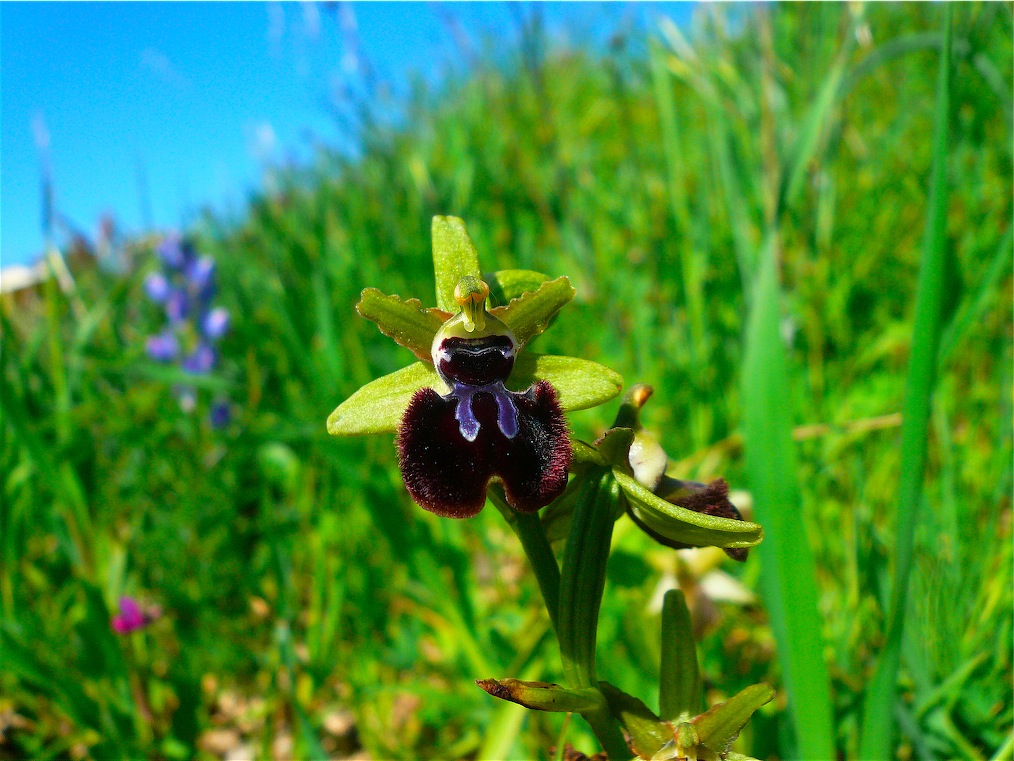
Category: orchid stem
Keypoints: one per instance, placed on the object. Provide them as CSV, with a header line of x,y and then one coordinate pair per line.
x,y
535,543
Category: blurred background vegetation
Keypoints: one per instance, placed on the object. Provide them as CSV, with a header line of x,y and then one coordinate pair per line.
x,y
310,610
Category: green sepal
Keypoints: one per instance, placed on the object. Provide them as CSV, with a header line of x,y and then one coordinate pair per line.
x,y
407,322
614,446
544,696
648,733
507,285
579,383
378,406
454,257
679,694
721,724
530,314
682,525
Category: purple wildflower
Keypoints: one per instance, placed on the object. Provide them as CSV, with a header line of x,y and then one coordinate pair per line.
x,y
157,287
215,323
185,286
163,347
177,306
132,617
172,251
220,414
201,360
200,276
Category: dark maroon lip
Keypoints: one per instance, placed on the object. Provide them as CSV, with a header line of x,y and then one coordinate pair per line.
x,y
447,469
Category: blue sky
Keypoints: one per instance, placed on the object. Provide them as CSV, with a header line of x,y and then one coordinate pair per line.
x,y
193,100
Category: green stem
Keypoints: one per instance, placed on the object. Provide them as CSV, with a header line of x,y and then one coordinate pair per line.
x,y
582,582
608,733
580,596
535,543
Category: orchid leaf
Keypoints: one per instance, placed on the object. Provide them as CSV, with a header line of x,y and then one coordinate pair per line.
x,y
721,724
529,314
543,696
407,322
579,383
378,406
507,285
682,525
454,257
680,676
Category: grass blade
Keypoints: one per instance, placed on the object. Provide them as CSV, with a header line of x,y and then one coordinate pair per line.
x,y
788,575
878,715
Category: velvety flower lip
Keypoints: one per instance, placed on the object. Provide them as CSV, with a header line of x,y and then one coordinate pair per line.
x,y
448,474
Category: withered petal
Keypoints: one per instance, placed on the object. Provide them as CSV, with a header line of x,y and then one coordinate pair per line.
x,y
711,499
448,475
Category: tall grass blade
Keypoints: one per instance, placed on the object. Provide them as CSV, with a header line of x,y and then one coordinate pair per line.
x,y
878,715
690,270
788,574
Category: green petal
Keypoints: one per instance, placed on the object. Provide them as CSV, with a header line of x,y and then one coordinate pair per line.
x,y
529,314
378,406
579,383
454,256
507,285
721,724
407,322
686,526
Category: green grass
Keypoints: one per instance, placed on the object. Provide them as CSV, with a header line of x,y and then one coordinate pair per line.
x,y
745,209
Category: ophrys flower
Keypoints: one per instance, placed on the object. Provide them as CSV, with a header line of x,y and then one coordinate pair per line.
x,y
476,407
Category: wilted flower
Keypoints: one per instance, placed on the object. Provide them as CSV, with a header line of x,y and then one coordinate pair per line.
x,y
648,462
132,616
475,409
